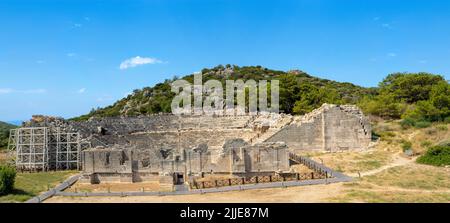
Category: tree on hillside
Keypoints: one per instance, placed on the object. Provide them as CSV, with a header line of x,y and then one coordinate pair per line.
x,y
410,87
413,96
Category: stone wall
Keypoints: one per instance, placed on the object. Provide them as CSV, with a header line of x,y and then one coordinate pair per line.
x,y
140,148
236,157
328,128
107,160
268,157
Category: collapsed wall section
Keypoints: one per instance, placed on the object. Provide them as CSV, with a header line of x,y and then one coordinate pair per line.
x,y
328,128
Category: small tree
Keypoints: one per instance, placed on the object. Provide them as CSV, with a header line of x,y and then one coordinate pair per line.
x,y
7,178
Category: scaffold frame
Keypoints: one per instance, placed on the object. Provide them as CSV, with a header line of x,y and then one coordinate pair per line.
x,y
44,148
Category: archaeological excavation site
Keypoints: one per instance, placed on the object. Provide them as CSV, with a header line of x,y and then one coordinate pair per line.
x,y
192,153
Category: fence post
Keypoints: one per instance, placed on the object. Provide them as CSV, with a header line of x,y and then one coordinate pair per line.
x,y
312,175
203,184
256,180
216,183
297,176
229,182
243,180
270,178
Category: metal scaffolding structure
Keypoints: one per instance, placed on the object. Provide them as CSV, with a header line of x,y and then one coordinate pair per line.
x,y
43,148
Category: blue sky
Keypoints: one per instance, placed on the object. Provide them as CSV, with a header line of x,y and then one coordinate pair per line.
x,y
63,58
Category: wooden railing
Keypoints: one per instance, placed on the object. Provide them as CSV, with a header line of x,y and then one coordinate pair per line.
x,y
256,180
316,167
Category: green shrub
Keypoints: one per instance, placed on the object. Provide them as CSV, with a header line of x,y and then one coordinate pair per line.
x,y
386,135
7,178
422,124
447,119
410,122
407,122
442,127
425,144
406,145
431,131
436,156
375,136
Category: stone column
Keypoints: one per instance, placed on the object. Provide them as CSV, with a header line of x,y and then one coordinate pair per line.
x,y
324,144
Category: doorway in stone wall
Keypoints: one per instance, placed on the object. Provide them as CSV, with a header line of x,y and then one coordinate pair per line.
x,y
178,178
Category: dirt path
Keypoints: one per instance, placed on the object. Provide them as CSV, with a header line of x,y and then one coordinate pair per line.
x,y
303,194
398,160
378,188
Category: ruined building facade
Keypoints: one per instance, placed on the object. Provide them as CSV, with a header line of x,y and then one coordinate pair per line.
x,y
159,147
329,128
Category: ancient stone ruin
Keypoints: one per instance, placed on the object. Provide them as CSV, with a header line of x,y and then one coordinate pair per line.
x,y
172,149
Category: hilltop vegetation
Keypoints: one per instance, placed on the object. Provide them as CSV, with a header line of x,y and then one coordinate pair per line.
x,y
436,156
417,98
4,134
299,92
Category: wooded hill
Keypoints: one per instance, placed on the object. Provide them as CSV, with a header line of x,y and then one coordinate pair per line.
x,y
299,91
417,98
4,134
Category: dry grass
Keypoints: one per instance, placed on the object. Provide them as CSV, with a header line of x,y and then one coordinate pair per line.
x,y
413,176
298,168
383,181
409,183
28,185
3,156
116,187
389,145
353,162
368,196
213,177
317,193
434,134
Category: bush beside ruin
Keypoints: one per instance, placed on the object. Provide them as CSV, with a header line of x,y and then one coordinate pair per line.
x,y
7,178
436,156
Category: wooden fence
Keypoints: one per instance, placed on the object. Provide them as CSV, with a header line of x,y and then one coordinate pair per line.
x,y
257,179
316,167
319,171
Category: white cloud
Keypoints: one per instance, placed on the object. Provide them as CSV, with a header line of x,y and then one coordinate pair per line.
x,y
40,61
137,61
386,25
34,91
104,98
82,90
77,25
376,18
71,54
29,91
423,61
6,90
391,54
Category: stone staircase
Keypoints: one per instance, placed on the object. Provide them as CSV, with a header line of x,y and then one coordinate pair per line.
x,y
282,122
355,111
